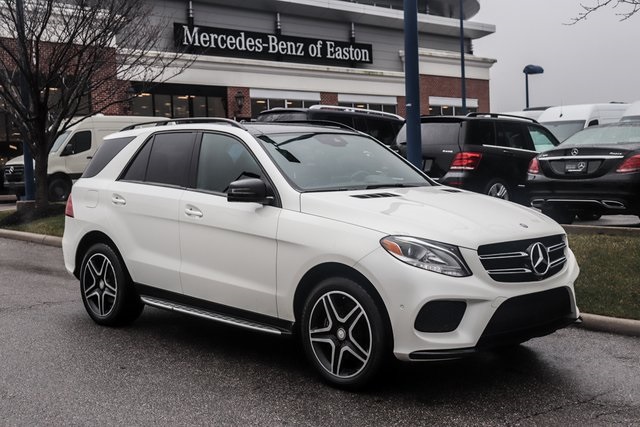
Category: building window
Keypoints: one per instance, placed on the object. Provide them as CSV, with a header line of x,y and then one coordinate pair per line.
x,y
449,110
262,104
387,108
180,101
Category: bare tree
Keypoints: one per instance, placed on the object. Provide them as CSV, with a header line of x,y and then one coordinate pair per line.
x,y
75,58
630,8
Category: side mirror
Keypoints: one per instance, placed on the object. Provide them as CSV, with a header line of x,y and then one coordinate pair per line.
x,y
249,190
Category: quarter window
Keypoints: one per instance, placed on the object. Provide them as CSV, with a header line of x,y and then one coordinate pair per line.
x,y
223,159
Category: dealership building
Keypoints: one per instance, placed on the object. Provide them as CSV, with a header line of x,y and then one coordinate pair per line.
x,y
255,55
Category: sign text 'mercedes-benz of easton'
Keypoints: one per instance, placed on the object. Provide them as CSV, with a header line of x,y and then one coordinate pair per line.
x,y
226,42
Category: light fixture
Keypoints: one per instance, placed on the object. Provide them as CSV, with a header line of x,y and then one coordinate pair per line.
x,y
239,101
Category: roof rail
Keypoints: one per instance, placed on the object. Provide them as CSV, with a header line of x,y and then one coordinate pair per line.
x,y
187,120
354,109
312,122
497,115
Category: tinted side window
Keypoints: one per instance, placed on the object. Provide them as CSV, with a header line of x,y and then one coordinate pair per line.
x,y
79,142
165,159
481,132
107,151
513,135
223,159
542,139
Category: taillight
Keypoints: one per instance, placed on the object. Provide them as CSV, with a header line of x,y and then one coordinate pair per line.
x,y
68,210
534,166
632,164
466,160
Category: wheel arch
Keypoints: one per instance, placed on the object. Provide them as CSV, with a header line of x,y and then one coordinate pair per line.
x,y
89,240
333,269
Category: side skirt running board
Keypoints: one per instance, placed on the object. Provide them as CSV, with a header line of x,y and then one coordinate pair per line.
x,y
211,315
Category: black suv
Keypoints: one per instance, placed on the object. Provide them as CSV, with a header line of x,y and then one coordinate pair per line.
x,y
482,152
381,125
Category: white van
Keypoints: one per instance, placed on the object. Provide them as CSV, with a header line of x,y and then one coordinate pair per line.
x,y
71,153
632,112
565,120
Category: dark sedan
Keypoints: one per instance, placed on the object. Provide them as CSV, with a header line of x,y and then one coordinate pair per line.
x,y
592,173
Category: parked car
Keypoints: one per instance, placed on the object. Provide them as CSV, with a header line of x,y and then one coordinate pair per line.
x,y
379,124
318,230
481,152
70,154
594,172
565,120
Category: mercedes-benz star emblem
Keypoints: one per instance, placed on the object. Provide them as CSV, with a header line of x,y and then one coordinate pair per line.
x,y
10,170
581,166
539,257
574,151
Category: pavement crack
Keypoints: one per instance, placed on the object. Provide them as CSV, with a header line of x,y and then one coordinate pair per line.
x,y
585,401
5,310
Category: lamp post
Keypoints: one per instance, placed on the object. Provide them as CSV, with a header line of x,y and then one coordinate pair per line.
x,y
530,69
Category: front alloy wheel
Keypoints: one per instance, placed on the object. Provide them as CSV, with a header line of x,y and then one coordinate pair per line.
x,y
343,333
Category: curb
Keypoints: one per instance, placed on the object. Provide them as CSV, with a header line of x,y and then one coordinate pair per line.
x,y
612,325
593,322
42,239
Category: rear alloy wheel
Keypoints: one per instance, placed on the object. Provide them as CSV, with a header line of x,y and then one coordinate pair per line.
x,y
343,333
559,215
107,292
498,188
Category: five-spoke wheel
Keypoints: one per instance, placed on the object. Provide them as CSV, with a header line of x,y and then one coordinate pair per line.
x,y
343,332
107,293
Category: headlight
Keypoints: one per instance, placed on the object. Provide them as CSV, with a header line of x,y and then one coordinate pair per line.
x,y
426,254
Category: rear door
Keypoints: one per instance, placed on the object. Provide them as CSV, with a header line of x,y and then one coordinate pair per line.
x,y
517,149
145,202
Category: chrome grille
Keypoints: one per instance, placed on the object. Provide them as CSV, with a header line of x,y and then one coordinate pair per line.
x,y
13,173
524,260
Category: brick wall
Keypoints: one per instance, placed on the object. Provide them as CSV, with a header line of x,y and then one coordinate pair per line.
x,y
451,87
232,107
328,98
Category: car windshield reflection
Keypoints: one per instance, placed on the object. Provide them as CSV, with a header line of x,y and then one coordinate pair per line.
x,y
335,161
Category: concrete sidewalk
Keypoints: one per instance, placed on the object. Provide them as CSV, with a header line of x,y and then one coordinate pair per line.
x,y
592,322
7,198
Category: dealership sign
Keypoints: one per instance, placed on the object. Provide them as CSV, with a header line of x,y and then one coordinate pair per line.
x,y
275,47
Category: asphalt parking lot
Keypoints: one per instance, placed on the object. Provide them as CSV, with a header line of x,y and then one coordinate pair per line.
x,y
58,367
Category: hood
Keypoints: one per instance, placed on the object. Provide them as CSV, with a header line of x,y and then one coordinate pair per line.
x,y
437,213
15,161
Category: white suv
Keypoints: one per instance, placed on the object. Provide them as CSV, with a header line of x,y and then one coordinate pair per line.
x,y
323,231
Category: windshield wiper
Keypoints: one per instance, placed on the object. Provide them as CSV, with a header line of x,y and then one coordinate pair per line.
x,y
390,185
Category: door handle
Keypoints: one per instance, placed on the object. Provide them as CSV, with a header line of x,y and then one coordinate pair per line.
x,y
117,199
193,212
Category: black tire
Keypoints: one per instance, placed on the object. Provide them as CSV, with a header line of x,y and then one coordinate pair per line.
x,y
499,189
559,215
344,334
588,216
59,188
106,289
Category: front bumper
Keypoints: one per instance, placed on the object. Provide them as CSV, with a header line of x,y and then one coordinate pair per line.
x,y
495,314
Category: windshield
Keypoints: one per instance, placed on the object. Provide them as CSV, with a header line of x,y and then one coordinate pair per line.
x,y
335,161
606,135
59,141
563,130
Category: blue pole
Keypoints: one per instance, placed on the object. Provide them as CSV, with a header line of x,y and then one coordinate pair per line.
x,y
412,82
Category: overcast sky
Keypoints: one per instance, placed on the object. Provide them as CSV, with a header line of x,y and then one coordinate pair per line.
x,y
597,60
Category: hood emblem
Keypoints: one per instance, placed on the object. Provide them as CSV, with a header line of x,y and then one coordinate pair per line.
x,y
539,257
574,151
